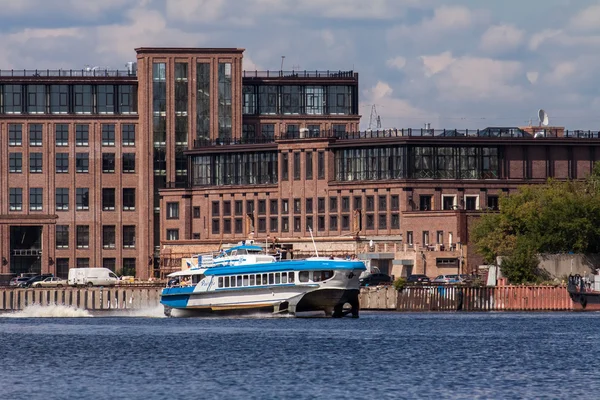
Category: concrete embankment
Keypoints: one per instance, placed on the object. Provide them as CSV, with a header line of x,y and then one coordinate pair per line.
x,y
460,298
117,298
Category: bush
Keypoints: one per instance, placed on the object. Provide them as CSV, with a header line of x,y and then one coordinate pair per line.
x,y
400,284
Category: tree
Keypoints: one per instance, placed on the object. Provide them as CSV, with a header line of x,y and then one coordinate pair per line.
x,y
556,217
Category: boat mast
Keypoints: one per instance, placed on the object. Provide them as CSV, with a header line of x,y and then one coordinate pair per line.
x,y
313,241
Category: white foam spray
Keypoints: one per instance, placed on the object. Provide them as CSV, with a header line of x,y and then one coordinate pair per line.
x,y
51,311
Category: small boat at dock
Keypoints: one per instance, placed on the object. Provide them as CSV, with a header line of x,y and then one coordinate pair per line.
x,y
585,292
245,279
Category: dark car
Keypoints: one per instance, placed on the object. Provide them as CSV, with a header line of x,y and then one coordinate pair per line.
x,y
375,279
34,279
418,278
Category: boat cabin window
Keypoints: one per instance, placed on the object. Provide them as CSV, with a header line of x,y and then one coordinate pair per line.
x,y
245,280
291,276
271,279
220,281
265,279
251,280
197,278
303,276
239,281
284,276
319,276
226,280
277,277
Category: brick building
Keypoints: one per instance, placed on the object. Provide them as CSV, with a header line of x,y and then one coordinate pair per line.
x,y
184,152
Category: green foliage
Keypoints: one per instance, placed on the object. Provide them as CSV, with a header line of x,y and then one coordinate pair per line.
x,y
399,284
556,217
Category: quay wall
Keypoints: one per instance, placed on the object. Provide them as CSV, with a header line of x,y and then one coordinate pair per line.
x,y
94,299
460,298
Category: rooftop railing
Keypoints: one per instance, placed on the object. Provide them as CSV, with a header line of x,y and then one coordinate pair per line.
x,y
298,74
68,73
442,134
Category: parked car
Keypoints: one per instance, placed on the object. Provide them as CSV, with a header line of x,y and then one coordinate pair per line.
x,y
446,279
51,281
17,280
375,279
33,280
418,278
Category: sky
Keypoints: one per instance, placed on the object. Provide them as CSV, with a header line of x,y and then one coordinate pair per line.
x,y
460,64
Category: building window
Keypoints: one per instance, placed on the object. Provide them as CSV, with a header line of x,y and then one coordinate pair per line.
x,y
128,236
339,130
333,223
59,99
196,236
239,207
409,238
297,224
216,226
216,211
36,99
296,166
249,100
321,222
309,165
105,95
321,165
83,99
345,204
172,210
127,99
15,162
128,134
395,202
274,207
35,199
62,236
292,131
108,199
338,100
395,223
250,207
62,135
309,222
83,236
309,206
108,134
238,225
370,221
285,224
382,221
35,163
128,199
128,160
227,208
62,267
357,203
492,203
448,202
262,225
225,101
35,135
15,196
315,99
109,237
62,199
370,203
345,222
82,135
62,163
172,234
82,198
108,162
196,212
273,224
82,162
262,207
110,263
471,203
284,166
285,206
83,262
333,204
297,206
425,238
267,132
15,134
439,236
382,204
128,267
321,205
13,99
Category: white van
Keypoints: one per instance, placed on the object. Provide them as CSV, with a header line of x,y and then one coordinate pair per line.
x,y
92,277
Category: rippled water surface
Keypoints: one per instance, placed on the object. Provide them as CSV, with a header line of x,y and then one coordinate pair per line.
x,y
380,355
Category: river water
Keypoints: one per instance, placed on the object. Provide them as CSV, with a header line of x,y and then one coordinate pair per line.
x,y
141,355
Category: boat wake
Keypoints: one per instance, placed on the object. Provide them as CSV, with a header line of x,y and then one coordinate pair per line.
x,y
53,311
150,312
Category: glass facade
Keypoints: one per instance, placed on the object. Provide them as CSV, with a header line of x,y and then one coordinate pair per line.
x,y
235,169
428,162
225,106
181,122
203,101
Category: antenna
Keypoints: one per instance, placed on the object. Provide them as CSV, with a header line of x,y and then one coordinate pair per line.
x,y
282,58
543,117
374,118
313,241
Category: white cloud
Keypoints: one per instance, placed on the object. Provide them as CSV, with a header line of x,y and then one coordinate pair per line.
x,y
532,77
501,38
194,10
586,20
437,63
539,38
397,62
